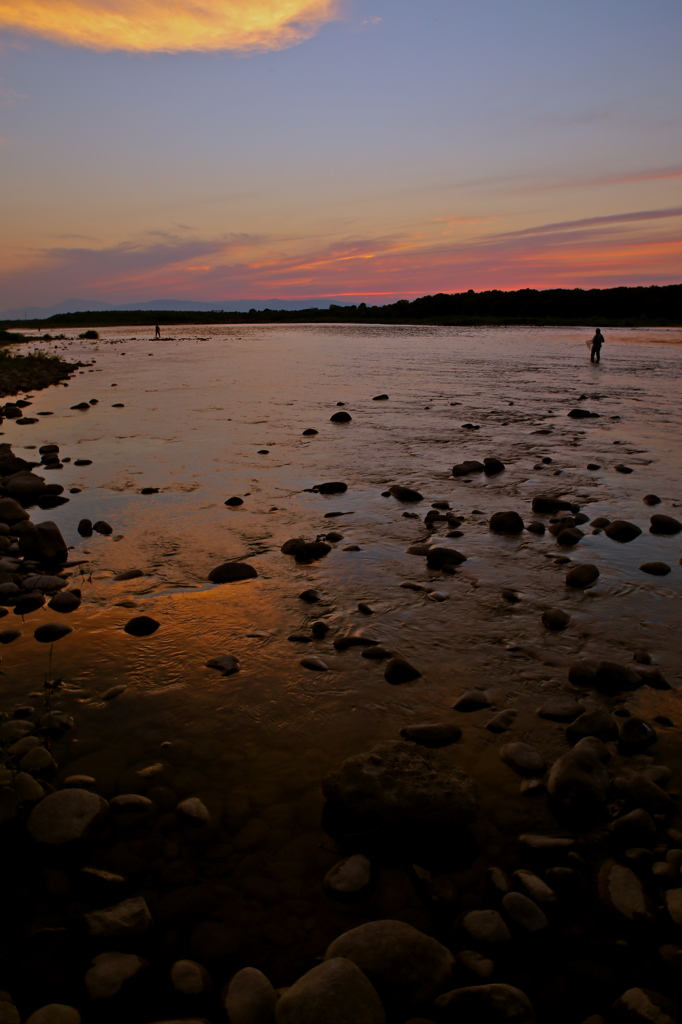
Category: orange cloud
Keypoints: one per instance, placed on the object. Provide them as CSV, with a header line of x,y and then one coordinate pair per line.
x,y
169,25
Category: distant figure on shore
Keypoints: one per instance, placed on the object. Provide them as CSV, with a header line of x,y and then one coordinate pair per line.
x,y
157,333
597,342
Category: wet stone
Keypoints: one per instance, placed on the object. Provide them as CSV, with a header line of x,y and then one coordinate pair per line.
x,y
485,1004
665,525
314,664
467,468
226,664
561,709
486,926
581,576
66,816
655,568
234,502
231,572
506,522
569,537
523,758
332,487
250,998
651,499
110,971
350,879
536,527
101,526
622,531
438,734
555,619
502,721
340,417
130,917
473,700
335,992
405,493
399,671
592,723
524,912
141,626
635,735
377,653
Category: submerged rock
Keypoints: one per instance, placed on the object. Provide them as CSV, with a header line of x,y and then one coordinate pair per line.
x,y
467,467
622,531
582,576
340,417
141,625
405,493
403,784
231,572
437,557
506,522
226,664
438,734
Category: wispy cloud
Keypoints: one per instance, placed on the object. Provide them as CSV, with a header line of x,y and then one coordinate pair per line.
x,y
631,248
159,25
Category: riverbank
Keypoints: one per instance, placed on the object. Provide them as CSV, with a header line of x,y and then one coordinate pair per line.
x,y
33,372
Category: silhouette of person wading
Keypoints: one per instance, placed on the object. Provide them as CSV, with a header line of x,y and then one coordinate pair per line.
x,y
597,342
157,332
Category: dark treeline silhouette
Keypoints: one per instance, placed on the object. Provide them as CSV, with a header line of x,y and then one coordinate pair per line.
x,y
654,306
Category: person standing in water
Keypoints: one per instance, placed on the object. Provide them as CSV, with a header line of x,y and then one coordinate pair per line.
x,y
597,342
157,331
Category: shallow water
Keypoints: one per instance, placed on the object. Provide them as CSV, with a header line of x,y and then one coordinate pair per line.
x,y
198,407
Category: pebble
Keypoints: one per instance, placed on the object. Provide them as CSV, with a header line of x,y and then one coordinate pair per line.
x,y
130,917
226,664
523,758
350,878
340,417
113,692
319,629
476,963
485,1004
50,632
335,992
234,501
555,619
622,531
130,574
377,653
473,700
651,499
534,886
502,721
189,977
582,576
195,810
332,487
506,522
561,709
398,671
486,926
110,971
310,596
101,526
438,734
250,998
141,625
231,572
665,525
524,912
314,664
593,723
621,890
655,568
405,493
644,1006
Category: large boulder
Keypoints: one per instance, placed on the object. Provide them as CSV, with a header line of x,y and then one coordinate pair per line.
x,y
405,966
643,1006
11,511
398,783
334,992
485,1004
25,484
506,522
65,816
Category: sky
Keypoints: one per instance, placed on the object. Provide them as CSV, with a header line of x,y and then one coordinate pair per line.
x,y
364,150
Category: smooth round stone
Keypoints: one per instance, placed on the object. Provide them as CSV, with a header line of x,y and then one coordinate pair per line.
x,y
141,626
131,802
314,664
438,734
523,758
506,522
55,1013
334,992
110,971
655,568
622,531
665,525
439,556
399,671
476,963
194,809
340,417
65,816
561,709
129,574
581,576
250,998
37,760
502,721
555,619
405,493
130,917
350,878
189,977
232,572
64,603
524,912
473,700
50,632
651,499
234,502
535,888
486,926
485,1004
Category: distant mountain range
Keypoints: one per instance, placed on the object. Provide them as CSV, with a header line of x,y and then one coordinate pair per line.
x,y
186,305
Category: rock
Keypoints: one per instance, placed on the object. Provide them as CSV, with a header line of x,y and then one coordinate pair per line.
x,y
380,398
351,879
231,572
85,528
25,485
319,629
523,758
438,734
578,779
665,525
65,816
130,917
582,576
545,504
234,502
312,551
309,432
620,468
27,790
314,664
506,522
377,653
643,1006
141,625
406,967
101,526
54,1013
634,829
536,527
340,417
635,735
651,499
673,900
569,537
405,493
439,556
535,888
645,793
524,912
473,700
621,890
555,619
560,709
546,843
476,964
655,568
37,760
226,664
502,721
130,574
195,810
486,926
592,723
8,635
622,531
250,998
189,977
400,671
343,643
467,468
335,992
610,677
582,414
333,487
131,803
493,466
110,971
402,784
485,1004
12,512
310,596
64,603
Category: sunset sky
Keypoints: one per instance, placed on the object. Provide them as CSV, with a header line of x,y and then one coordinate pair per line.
x,y
360,149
